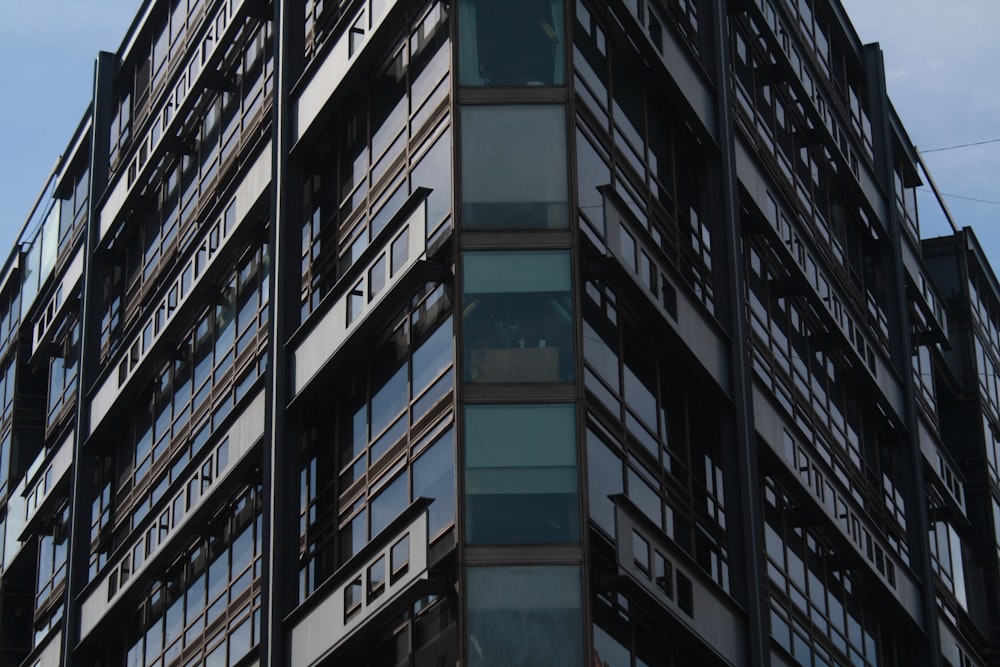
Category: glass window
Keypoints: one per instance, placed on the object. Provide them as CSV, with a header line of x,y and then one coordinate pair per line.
x,y
604,474
514,167
521,474
434,172
515,614
388,504
434,477
511,42
592,172
609,651
432,357
518,317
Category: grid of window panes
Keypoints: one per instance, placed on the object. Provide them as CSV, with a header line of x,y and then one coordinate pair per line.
x,y
53,550
985,337
686,18
158,53
948,564
652,435
820,613
624,637
392,441
160,232
221,356
628,138
64,369
204,608
74,196
8,376
520,458
521,472
810,181
392,137
828,76
815,388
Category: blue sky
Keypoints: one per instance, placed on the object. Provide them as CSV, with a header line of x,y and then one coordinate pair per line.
x,y
47,54
940,67
940,62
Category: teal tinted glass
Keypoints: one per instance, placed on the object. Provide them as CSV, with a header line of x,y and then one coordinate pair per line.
x,y
521,474
518,317
514,167
511,42
527,615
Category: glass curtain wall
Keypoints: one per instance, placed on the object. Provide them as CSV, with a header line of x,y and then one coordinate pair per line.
x,y
516,334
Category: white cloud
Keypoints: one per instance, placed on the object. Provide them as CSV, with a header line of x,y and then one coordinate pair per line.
x,y
940,74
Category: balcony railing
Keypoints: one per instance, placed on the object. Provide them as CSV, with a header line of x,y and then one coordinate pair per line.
x,y
189,498
336,64
174,109
868,543
213,245
42,481
397,250
64,295
383,576
667,576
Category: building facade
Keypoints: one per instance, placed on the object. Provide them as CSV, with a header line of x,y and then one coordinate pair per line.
x,y
495,332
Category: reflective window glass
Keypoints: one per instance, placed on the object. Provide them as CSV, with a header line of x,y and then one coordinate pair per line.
x,y
525,616
518,316
521,474
511,42
388,504
604,475
434,477
514,167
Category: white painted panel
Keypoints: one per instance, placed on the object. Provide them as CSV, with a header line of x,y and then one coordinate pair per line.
x,y
331,73
253,185
335,326
328,624
247,429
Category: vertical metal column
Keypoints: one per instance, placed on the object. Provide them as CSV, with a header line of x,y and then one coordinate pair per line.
x,y
742,454
82,468
279,535
917,521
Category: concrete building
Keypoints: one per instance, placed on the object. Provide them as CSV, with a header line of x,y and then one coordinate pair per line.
x,y
495,332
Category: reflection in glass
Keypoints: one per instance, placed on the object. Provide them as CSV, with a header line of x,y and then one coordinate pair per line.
x,y
518,317
514,167
521,475
511,42
527,616
604,479
434,477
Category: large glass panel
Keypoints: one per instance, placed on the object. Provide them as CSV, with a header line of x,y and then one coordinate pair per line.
x,y
604,475
609,651
526,616
434,477
518,317
514,167
521,474
511,42
388,504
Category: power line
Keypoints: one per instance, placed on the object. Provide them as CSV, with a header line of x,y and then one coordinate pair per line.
x,y
981,201
951,148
